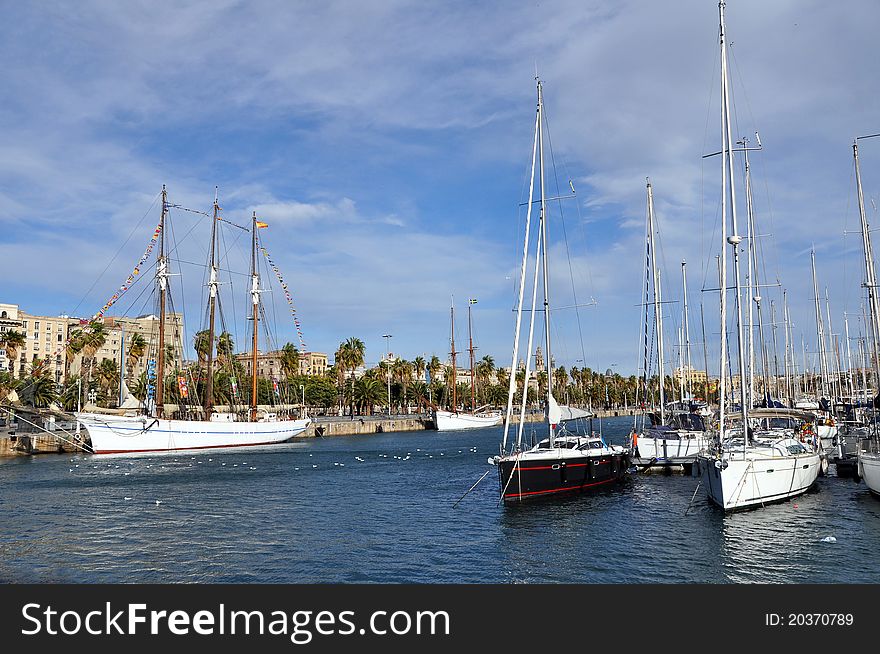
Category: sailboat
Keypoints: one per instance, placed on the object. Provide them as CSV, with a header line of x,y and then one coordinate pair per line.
x,y
477,416
744,467
676,434
151,428
561,463
868,456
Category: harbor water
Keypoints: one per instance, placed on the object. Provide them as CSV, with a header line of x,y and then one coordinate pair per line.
x,y
382,509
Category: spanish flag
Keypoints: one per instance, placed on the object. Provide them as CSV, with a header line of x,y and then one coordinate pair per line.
x,y
261,225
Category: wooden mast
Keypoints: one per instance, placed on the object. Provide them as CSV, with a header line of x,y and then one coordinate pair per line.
x,y
454,365
162,276
255,301
212,301
471,349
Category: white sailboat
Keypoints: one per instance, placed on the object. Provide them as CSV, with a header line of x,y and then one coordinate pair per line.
x,y
673,437
477,416
744,467
868,457
563,462
150,429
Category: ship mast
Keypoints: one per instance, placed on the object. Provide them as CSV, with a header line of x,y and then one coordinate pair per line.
x,y
658,315
454,368
471,350
212,300
255,301
162,277
733,239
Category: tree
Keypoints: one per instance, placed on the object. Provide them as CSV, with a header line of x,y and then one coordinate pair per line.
x,y
108,375
137,346
402,372
7,385
42,386
12,341
202,345
368,391
225,348
349,357
289,360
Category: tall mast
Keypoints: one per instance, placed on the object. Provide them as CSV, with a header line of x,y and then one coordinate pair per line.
x,y
255,302
546,275
454,365
788,357
849,363
471,349
754,284
870,275
687,333
820,330
162,276
658,313
212,300
734,239
522,285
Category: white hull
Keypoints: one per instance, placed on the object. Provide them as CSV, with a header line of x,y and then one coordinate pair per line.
x,y
869,470
123,434
734,482
448,421
670,451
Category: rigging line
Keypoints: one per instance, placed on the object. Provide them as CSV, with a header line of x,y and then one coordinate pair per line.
x,y
109,263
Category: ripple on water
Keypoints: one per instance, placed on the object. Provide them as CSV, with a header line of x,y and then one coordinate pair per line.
x,y
388,517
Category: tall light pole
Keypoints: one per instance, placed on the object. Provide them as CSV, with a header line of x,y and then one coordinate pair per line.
x,y
303,389
388,374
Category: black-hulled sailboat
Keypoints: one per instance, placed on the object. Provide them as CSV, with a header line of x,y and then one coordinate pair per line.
x,y
563,462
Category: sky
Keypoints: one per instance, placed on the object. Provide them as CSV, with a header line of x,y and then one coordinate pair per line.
x,y
388,144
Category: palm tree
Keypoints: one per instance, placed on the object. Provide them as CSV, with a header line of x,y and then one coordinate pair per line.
x,y
202,345
368,391
420,394
483,371
225,348
12,341
560,379
42,385
349,357
402,371
108,375
289,360
137,346
418,365
7,385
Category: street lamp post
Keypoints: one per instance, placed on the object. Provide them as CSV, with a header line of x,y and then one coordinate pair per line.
x,y
303,389
388,374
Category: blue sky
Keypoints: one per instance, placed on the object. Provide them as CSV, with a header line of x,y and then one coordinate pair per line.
x,y
387,145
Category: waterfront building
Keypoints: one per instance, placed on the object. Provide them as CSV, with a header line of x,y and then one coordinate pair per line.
x,y
120,331
312,364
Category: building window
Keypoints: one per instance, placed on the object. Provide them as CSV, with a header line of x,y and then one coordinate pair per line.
x,y
36,324
24,324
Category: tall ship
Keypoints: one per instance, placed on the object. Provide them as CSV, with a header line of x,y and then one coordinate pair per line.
x,y
155,424
476,417
561,462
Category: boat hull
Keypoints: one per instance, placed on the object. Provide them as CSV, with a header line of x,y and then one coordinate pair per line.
x,y
449,421
124,434
670,451
735,483
530,478
869,470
